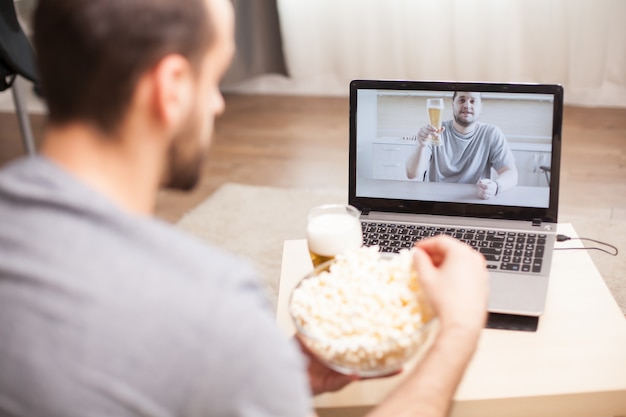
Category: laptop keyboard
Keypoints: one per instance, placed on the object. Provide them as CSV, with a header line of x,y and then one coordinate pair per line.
x,y
503,250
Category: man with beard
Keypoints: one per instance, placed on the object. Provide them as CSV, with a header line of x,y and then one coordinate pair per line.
x,y
106,311
469,151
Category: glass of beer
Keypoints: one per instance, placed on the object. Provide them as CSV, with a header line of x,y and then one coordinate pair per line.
x,y
332,229
435,115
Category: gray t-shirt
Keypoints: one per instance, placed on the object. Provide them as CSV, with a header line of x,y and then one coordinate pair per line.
x,y
104,313
469,158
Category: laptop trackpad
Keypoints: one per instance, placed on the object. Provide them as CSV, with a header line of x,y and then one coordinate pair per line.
x,y
517,294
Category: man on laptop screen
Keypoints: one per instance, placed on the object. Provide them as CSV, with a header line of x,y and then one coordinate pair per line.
x,y
467,150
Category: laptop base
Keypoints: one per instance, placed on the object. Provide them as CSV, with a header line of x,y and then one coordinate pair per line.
x,y
512,322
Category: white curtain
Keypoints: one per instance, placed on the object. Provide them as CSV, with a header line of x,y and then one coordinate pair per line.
x,y
580,44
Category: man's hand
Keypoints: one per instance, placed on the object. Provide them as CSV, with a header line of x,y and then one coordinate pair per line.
x,y
322,378
427,133
486,188
454,279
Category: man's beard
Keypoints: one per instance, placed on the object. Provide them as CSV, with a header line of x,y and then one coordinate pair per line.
x,y
185,158
463,123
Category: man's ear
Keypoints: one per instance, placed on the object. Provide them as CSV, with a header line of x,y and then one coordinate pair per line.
x,y
173,90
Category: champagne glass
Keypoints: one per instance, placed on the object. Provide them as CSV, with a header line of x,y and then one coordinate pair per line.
x,y
434,106
332,229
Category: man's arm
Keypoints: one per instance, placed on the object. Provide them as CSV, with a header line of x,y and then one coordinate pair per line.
x,y
507,174
419,160
429,389
417,163
455,280
507,179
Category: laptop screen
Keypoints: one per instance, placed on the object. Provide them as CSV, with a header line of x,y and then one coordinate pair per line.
x,y
472,149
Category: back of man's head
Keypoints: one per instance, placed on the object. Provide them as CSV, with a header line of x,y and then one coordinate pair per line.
x,y
91,53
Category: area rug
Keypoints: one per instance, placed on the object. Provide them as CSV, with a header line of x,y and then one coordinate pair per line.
x,y
253,222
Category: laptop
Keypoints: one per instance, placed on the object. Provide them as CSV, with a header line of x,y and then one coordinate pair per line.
x,y
515,229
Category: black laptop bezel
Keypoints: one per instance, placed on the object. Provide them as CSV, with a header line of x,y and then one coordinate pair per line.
x,y
366,204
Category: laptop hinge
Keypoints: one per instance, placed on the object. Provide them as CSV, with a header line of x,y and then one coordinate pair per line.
x,y
537,222
365,211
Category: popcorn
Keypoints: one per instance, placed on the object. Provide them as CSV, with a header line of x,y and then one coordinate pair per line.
x,y
363,315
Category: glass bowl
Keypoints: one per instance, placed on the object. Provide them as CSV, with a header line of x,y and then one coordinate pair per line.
x,y
363,312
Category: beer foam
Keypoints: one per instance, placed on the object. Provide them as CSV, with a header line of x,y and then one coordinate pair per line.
x,y
332,233
363,314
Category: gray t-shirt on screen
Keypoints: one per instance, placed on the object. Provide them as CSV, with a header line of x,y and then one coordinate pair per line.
x,y
104,313
468,158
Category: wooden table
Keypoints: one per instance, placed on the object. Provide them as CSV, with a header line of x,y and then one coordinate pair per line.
x,y
573,365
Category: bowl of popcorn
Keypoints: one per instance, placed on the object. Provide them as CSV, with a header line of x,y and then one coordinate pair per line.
x,y
363,312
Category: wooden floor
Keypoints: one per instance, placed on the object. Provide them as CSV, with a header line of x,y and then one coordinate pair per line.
x,y
303,142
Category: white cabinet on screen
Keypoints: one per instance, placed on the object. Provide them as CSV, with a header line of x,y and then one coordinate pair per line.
x,y
389,159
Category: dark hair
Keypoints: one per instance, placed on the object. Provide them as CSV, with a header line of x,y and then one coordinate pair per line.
x,y
454,95
91,53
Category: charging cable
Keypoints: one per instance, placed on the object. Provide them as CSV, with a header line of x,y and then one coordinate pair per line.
x,y
564,238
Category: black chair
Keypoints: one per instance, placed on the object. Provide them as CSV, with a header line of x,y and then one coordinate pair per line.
x,y
17,58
